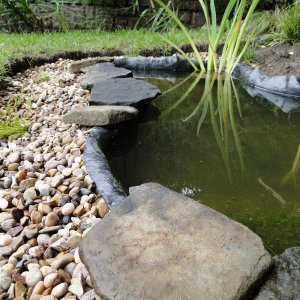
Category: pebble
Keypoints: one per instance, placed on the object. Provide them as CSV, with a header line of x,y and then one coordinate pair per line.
x,y
3,203
51,219
30,193
33,277
5,240
62,261
68,209
44,189
59,290
51,280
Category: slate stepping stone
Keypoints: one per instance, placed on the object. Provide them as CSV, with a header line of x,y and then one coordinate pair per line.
x,y
101,72
125,91
76,66
100,115
158,244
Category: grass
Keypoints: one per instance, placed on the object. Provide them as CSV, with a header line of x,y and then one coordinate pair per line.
x,y
16,46
41,77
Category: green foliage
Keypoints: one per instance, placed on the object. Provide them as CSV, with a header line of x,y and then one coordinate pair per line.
x,y
158,19
30,16
11,123
250,55
277,27
230,31
42,77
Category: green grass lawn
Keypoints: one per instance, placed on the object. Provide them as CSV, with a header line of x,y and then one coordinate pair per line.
x,y
129,41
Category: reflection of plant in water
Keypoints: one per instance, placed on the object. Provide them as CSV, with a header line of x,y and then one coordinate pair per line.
x,y
221,113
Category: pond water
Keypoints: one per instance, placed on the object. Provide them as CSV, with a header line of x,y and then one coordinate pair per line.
x,y
214,143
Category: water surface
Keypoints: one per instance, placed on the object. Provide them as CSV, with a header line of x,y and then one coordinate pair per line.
x,y
233,153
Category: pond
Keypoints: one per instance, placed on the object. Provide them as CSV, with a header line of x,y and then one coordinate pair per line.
x,y
211,141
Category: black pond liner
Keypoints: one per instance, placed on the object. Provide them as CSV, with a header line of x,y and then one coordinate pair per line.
x,y
283,91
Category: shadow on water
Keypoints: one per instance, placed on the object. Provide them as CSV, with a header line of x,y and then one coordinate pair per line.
x,y
207,138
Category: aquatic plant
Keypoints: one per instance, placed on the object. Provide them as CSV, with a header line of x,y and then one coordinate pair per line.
x,y
230,31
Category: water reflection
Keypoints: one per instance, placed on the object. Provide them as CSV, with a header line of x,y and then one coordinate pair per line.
x,y
219,107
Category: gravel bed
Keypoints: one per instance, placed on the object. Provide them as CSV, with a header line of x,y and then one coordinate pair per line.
x,y
48,202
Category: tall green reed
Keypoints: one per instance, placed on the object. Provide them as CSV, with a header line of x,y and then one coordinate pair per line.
x,y
230,31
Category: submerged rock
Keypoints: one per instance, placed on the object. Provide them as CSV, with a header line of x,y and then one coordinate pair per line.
x,y
100,115
158,244
284,280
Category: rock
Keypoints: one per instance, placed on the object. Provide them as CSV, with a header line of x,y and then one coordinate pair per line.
x,y
27,183
51,219
51,280
30,194
44,189
5,240
43,239
21,175
36,251
62,261
68,209
56,181
75,67
8,224
102,208
284,280
100,115
80,270
20,290
59,290
76,287
74,241
39,288
31,232
126,91
5,283
200,251
50,229
33,277
15,157
36,217
17,214
101,72
3,203
6,250
90,295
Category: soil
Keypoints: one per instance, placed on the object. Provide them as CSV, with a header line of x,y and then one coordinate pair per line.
x,y
280,60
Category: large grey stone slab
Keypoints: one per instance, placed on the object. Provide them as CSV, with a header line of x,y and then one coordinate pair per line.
x,y
125,91
100,115
284,280
101,72
75,67
158,244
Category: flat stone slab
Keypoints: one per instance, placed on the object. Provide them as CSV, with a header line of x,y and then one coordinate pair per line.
x,y
76,66
100,115
284,280
125,91
158,244
101,72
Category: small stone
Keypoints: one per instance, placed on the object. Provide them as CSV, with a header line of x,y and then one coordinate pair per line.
x,y
36,251
44,189
3,203
90,295
17,214
33,277
6,251
8,224
102,208
68,209
51,280
21,175
5,283
39,288
43,239
36,217
74,241
67,172
56,181
60,290
69,268
13,167
5,240
30,194
79,211
80,270
62,261
27,183
51,219
76,287
14,157
31,232
20,290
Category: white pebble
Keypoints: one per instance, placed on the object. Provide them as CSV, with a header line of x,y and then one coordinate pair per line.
x,y
59,290
33,277
68,209
5,240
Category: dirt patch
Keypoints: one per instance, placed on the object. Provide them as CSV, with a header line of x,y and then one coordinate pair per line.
x,y
280,60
